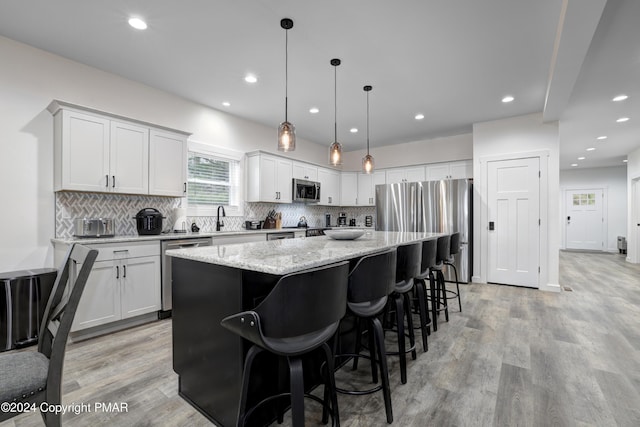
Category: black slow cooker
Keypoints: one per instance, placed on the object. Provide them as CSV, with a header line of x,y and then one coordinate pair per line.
x,y
149,221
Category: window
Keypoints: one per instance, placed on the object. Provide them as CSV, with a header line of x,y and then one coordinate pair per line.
x,y
213,179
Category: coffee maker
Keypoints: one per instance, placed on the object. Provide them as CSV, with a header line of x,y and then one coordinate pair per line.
x,y
342,219
327,220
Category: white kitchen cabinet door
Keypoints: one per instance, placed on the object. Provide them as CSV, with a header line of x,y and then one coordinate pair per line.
x,y
129,158
414,174
461,170
81,152
437,171
167,164
367,187
139,286
268,179
349,189
100,301
304,171
329,187
394,176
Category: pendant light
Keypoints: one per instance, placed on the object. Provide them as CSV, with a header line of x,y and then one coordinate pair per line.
x,y
367,161
286,130
335,150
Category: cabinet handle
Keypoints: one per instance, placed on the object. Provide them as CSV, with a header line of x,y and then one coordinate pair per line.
x,y
124,271
185,188
107,181
113,184
117,272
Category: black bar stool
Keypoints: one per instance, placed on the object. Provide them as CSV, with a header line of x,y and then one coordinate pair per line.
x,y
299,315
407,268
429,248
450,261
371,281
442,254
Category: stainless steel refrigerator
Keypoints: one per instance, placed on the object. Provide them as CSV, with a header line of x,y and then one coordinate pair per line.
x,y
432,206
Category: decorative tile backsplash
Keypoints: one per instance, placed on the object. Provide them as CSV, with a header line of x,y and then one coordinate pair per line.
x,y
122,208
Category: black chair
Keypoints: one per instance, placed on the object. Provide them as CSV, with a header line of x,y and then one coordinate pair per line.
x,y
35,377
429,248
454,248
371,281
299,315
442,254
407,269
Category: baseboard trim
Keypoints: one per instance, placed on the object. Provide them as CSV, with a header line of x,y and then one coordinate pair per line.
x,y
550,287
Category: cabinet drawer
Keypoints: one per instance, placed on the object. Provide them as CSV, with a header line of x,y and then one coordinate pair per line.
x,y
108,251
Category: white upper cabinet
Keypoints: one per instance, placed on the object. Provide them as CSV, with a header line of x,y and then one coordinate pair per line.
x,y
405,174
304,171
269,178
451,170
367,187
348,189
329,187
98,152
167,164
129,158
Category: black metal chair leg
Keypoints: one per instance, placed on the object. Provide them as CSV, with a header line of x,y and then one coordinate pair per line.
x,y
408,316
330,384
358,343
372,353
246,374
443,294
401,345
382,354
423,312
297,391
434,301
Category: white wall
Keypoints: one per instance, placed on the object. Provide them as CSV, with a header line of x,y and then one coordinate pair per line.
x,y
510,138
29,80
614,180
633,211
458,147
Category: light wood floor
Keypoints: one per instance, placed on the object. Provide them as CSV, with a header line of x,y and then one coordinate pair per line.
x,y
515,356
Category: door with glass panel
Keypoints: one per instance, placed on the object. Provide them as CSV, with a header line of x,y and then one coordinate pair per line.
x,y
584,220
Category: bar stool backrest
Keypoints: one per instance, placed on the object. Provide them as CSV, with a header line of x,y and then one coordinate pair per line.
x,y
408,264
373,277
305,302
443,251
455,244
429,248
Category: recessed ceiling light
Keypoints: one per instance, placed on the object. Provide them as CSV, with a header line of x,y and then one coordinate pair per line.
x,y
353,130
625,161
581,158
138,23
591,148
507,98
620,98
250,78
419,116
602,137
574,165
314,110
226,104
622,119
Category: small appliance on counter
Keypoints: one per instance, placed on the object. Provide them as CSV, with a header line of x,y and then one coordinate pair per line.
x,y
352,222
180,224
94,227
253,224
368,221
302,223
149,222
327,220
342,219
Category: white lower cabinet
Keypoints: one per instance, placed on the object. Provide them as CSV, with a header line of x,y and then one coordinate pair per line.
x,y
124,283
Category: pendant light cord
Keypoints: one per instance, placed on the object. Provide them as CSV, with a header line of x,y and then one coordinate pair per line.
x,y
335,103
286,74
367,123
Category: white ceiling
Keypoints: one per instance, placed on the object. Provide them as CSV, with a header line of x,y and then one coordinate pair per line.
x,y
451,60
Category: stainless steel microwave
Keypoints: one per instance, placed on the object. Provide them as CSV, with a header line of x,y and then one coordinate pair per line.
x,y
306,191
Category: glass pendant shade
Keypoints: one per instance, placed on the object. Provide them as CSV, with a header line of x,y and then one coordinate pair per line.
x,y
286,137
335,154
367,164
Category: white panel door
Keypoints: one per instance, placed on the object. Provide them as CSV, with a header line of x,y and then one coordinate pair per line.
x,y
585,219
140,285
129,158
100,301
514,214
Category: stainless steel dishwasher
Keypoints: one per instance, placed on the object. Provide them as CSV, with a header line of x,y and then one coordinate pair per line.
x,y
166,268
281,235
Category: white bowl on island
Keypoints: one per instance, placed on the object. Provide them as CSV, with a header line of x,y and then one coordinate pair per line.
x,y
344,233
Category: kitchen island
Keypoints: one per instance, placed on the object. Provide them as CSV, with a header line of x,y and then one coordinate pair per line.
x,y
210,283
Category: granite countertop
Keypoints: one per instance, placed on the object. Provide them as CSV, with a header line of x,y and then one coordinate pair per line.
x,y
168,236
286,256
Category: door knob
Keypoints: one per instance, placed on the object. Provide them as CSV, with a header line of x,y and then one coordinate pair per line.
x,y
492,225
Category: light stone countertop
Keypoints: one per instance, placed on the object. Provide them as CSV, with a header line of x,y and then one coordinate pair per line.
x,y
169,236
286,256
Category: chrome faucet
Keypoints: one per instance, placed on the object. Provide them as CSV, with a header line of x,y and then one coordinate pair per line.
x,y
219,223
